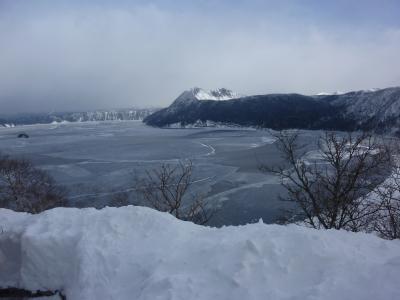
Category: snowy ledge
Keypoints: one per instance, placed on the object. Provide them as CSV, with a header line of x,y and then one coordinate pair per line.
x,y
139,253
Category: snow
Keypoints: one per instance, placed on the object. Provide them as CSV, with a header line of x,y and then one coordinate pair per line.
x,y
199,94
342,93
138,253
331,93
372,90
217,94
373,107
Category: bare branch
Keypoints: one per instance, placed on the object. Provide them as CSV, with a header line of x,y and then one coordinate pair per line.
x,y
27,189
330,189
165,189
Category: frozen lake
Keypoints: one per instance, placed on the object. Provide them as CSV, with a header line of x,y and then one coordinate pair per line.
x,y
95,160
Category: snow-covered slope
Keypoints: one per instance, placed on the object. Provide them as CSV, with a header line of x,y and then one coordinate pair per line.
x,y
375,109
218,94
196,93
371,108
138,253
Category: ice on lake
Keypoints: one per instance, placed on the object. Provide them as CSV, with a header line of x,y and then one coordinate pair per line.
x,y
95,160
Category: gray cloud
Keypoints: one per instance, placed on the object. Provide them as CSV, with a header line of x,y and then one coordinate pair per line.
x,y
102,57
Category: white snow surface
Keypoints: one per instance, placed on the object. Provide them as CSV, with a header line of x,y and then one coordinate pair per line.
x,y
342,93
199,94
331,93
217,94
139,253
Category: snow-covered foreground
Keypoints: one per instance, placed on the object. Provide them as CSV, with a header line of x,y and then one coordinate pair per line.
x,y
139,253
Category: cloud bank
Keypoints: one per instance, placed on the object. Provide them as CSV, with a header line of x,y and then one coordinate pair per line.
x,y
86,56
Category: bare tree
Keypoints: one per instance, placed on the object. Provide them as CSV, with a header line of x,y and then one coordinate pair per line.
x,y
387,224
27,189
166,189
331,189
120,199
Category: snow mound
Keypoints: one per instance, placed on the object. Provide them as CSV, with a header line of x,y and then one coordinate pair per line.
x,y
138,253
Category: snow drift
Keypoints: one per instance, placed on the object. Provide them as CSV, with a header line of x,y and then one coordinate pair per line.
x,y
139,253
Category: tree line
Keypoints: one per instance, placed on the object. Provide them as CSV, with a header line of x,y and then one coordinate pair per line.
x,y
351,183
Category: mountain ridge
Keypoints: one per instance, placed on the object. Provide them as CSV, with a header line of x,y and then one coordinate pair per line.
x,y
377,110
199,94
94,115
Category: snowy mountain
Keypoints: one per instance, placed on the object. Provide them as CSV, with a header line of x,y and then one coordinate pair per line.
x,y
217,94
196,94
103,115
138,253
273,111
375,109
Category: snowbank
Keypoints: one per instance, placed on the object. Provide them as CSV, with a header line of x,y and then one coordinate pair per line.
x,y
138,253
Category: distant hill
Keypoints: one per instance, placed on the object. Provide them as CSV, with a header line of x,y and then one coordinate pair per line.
x,y
377,110
99,115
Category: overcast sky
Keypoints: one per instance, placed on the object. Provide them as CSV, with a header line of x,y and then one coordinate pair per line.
x,y
76,55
